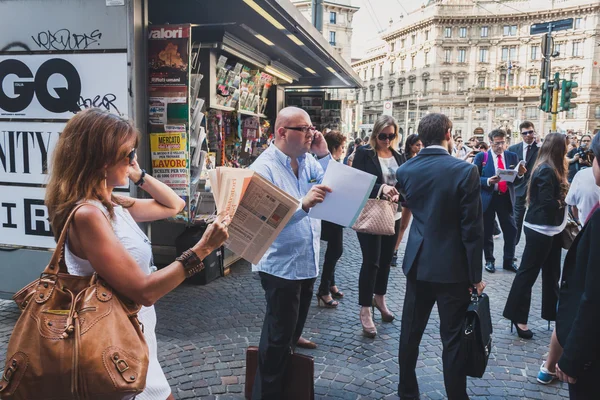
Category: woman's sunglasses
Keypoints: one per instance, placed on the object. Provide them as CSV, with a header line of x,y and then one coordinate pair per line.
x,y
384,137
131,156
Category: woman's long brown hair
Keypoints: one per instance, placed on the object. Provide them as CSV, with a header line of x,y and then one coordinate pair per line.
x,y
553,153
91,141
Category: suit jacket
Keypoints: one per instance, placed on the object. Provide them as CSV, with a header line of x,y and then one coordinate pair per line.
x,y
578,318
446,237
366,160
521,187
488,170
544,194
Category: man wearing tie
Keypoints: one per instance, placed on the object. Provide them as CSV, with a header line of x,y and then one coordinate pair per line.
x,y
498,198
526,151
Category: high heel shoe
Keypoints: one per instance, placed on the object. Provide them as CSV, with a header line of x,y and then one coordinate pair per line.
x,y
336,295
528,334
385,316
327,304
368,331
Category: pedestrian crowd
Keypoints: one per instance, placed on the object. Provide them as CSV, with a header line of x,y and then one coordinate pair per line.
x,y
450,199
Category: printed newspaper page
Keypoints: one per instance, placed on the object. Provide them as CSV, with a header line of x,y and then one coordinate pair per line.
x,y
263,212
232,183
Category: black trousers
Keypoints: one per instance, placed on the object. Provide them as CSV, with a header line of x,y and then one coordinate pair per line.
x,y
502,206
377,253
334,235
287,307
452,301
541,252
586,387
519,211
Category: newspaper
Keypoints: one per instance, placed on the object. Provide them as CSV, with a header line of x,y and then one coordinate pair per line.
x,y
259,210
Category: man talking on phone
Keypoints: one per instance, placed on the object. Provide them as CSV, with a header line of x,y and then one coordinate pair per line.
x,y
498,198
526,151
290,266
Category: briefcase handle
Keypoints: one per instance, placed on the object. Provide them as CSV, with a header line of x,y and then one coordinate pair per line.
x,y
474,295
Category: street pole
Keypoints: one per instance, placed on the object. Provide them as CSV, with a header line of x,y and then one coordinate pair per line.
x,y
555,101
418,118
406,117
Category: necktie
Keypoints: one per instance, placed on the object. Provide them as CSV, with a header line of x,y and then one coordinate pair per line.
x,y
501,185
527,152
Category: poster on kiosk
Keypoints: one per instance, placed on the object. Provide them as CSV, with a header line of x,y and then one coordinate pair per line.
x,y
168,75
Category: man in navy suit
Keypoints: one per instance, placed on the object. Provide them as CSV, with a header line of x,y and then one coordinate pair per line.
x,y
498,198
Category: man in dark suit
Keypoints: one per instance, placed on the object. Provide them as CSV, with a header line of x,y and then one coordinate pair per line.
x,y
443,253
498,197
526,151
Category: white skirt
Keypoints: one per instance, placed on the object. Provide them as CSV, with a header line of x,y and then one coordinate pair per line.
x,y
157,387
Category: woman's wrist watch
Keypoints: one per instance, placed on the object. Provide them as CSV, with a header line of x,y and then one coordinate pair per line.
x,y
141,181
191,263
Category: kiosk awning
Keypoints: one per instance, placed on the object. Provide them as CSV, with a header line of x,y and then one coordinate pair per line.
x,y
271,34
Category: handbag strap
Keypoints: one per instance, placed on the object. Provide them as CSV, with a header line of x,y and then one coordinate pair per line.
x,y
380,191
55,266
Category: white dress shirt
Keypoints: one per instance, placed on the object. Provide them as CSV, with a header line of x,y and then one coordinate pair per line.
x,y
583,193
495,158
525,149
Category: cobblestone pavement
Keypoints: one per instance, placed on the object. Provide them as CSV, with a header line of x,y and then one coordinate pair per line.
x,y
203,332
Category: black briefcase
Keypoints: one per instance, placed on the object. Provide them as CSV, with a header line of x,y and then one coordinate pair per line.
x,y
299,380
476,344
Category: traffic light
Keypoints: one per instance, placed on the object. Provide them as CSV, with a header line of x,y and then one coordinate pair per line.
x,y
566,95
546,97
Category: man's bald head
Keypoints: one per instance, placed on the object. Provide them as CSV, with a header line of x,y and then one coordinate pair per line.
x,y
291,116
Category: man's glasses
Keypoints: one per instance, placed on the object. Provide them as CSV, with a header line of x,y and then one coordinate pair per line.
x,y
498,144
303,129
383,136
131,156
531,132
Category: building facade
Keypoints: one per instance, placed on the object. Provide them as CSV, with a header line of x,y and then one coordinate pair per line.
x,y
477,63
337,29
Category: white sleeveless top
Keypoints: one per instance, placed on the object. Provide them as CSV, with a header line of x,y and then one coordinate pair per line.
x,y
139,247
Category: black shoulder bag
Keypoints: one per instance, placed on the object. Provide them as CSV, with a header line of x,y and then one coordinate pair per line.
x,y
477,335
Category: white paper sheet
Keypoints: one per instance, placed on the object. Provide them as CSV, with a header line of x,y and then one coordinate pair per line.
x,y
509,175
506,175
350,191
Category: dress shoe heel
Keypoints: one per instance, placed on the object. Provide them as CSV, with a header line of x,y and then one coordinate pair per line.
x,y
528,334
385,316
326,304
369,332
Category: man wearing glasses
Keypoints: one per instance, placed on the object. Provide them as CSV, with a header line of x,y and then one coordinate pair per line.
x,y
498,198
526,151
289,267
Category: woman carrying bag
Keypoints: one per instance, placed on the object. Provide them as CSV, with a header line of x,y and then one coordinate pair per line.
x,y
545,220
96,152
380,159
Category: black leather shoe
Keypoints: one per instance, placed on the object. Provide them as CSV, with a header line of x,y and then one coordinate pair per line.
x,y
512,267
490,267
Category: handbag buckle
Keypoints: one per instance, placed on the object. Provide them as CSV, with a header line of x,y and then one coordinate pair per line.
x,y
121,364
10,371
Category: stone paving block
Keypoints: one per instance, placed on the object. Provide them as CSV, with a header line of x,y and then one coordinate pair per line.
x,y
202,355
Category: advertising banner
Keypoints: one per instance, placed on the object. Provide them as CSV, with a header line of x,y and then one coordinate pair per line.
x,y
53,86
26,151
170,161
24,218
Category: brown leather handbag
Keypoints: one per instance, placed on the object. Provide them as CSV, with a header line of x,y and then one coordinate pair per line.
x,y
75,339
299,380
